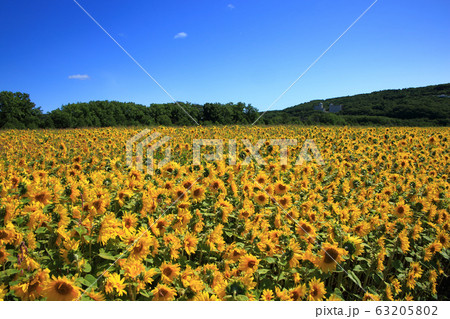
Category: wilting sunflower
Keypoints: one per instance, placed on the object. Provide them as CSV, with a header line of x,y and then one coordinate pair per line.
x,y
317,290
330,256
61,289
248,263
163,293
169,272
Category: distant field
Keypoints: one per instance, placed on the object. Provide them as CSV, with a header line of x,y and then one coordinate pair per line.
x,y
372,223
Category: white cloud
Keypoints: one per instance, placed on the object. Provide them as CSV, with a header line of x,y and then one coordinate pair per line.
x,y
79,77
230,6
180,35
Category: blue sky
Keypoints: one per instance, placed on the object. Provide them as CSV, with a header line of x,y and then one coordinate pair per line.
x,y
226,51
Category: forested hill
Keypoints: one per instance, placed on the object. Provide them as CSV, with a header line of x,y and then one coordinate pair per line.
x,y
428,105
424,106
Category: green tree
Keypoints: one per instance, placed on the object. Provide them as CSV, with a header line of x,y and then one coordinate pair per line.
x,y
17,111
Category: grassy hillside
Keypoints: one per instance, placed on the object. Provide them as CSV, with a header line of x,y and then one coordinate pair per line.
x,y
414,106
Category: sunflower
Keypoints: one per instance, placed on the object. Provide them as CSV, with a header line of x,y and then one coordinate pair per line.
x,y
159,227
41,196
198,193
404,240
362,228
401,210
261,179
32,289
163,293
353,245
396,284
96,296
168,185
3,292
169,272
223,208
3,255
171,169
61,289
261,198
234,253
141,246
331,255
217,185
267,295
370,297
98,206
190,243
187,184
280,188
179,194
132,268
285,201
6,236
294,252
204,296
129,221
431,249
416,269
291,215
113,281
298,293
305,229
334,297
248,263
316,290
443,238
123,195
411,280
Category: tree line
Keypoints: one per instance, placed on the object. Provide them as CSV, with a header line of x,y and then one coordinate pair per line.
x,y
425,106
19,112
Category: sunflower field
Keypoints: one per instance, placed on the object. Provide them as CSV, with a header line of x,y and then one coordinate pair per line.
x,y
372,223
